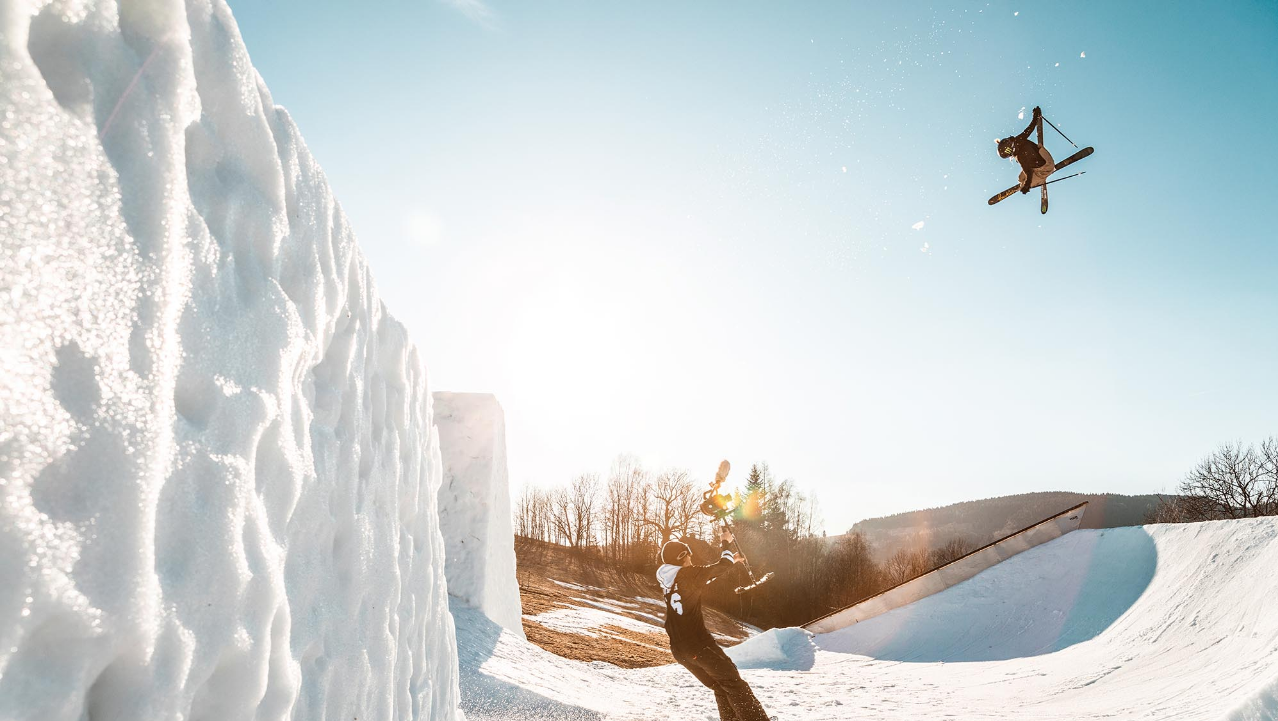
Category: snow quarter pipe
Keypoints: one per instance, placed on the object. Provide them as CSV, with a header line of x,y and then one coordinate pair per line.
x,y
952,573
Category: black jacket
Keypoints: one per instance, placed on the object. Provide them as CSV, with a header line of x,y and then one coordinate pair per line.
x,y
1027,151
684,620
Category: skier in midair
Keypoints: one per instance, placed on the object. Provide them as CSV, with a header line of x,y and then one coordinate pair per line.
x,y
1036,165
692,645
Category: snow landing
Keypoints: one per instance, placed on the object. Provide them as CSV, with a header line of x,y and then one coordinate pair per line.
x,y
474,507
218,480
1163,622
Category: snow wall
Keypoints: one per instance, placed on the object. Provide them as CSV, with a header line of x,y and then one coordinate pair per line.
x,y
218,477
474,507
952,573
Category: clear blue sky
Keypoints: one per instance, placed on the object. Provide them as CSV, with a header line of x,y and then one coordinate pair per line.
x,y
686,230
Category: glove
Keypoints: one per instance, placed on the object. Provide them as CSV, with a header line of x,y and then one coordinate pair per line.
x,y
1025,189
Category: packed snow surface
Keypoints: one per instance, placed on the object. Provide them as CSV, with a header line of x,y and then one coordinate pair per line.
x,y
218,480
474,506
1160,622
589,621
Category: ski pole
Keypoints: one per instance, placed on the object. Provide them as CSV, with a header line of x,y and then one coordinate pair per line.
x,y
744,561
1067,177
1063,135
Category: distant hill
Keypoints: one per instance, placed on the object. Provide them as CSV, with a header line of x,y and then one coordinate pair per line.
x,y
986,520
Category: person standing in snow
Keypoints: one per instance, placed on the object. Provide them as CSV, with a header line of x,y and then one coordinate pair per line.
x,y
692,645
1036,165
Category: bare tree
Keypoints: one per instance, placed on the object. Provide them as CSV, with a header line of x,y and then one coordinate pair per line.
x,y
675,505
622,506
1269,470
905,564
951,550
584,493
573,510
849,573
533,514
561,516
1231,482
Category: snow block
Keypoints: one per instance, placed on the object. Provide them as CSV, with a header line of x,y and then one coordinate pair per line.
x,y
218,477
474,506
779,649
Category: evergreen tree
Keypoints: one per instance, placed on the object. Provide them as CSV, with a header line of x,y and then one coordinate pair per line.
x,y
754,500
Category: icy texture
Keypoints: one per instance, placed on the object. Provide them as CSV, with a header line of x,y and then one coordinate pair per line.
x,y
474,506
1159,622
217,472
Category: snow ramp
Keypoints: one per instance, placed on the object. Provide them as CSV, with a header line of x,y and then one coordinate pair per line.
x,y
1165,621
952,573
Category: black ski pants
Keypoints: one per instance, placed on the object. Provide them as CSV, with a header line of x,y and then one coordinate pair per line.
x,y
713,668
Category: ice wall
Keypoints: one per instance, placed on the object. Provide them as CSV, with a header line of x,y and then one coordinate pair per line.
x,y
218,477
474,506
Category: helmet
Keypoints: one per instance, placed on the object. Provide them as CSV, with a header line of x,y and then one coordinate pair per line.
x,y
1007,147
674,552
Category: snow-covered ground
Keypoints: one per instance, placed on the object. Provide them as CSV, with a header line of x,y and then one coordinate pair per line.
x,y
1159,622
594,616
217,472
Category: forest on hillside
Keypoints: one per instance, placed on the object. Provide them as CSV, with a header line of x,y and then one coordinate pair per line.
x,y
989,519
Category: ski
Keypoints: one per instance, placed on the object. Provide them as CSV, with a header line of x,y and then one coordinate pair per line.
x,y
716,505
1042,205
1004,195
1074,158
762,580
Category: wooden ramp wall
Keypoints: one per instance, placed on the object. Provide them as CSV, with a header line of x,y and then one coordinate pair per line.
x,y
952,573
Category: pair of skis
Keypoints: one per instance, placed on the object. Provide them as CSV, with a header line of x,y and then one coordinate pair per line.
x,y
1004,195
716,505
1064,163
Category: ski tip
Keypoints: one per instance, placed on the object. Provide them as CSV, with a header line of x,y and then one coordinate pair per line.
x,y
762,580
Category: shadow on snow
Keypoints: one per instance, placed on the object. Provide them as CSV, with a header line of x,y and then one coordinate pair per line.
x,y
487,698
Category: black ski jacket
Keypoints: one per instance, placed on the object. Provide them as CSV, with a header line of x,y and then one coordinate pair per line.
x,y
684,620
1027,151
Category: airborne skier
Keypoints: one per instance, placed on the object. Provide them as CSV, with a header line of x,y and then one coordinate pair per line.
x,y
1036,163
692,645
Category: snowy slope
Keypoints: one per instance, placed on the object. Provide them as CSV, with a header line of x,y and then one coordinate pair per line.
x,y
1160,622
217,473
474,506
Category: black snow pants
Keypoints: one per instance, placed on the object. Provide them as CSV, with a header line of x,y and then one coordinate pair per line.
x,y
713,668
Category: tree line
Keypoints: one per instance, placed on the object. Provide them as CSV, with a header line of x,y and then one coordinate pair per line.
x,y
624,518
1233,481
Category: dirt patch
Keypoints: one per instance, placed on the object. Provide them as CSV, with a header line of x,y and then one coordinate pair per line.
x,y
553,577
616,645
